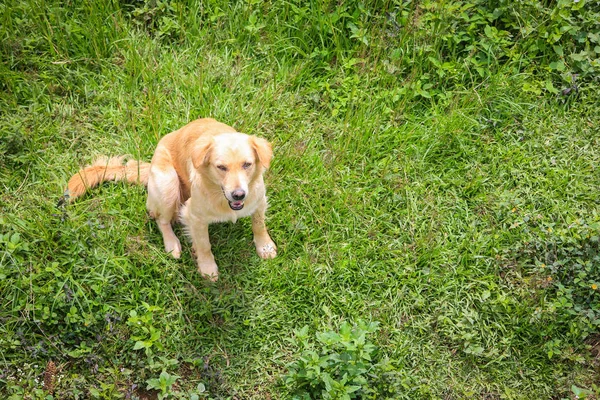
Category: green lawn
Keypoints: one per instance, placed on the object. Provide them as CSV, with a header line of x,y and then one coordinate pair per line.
x,y
454,203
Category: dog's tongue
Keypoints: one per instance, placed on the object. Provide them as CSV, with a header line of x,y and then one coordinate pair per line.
x,y
237,205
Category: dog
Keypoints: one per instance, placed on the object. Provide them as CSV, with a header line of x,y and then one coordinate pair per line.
x,y
202,173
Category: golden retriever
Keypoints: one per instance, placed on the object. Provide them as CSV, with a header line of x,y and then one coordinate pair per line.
x,y
203,173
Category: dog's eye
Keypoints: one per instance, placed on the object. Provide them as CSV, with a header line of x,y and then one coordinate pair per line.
x,y
222,168
246,165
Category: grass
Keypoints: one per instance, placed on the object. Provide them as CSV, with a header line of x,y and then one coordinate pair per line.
x,y
433,215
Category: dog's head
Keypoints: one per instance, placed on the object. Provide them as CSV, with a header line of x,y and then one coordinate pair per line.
x,y
232,161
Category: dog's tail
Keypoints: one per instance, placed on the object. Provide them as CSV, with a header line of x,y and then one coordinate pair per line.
x,y
107,169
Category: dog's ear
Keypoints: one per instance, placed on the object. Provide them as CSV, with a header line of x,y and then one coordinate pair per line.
x,y
263,150
201,151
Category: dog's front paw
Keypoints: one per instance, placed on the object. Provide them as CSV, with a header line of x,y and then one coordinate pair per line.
x,y
208,269
266,249
174,247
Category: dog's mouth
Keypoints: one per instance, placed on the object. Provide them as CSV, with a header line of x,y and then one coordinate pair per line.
x,y
236,205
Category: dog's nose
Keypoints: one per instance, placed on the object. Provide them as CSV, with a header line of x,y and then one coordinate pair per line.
x,y
238,194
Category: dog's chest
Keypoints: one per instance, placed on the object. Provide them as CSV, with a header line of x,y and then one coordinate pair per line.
x,y
231,215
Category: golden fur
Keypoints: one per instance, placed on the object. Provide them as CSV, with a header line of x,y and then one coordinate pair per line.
x,y
203,173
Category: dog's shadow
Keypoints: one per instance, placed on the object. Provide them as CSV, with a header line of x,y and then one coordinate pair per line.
x,y
212,310
231,245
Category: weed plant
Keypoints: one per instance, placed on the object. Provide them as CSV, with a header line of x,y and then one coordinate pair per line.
x,y
435,176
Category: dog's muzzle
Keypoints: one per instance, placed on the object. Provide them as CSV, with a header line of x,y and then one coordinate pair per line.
x,y
237,202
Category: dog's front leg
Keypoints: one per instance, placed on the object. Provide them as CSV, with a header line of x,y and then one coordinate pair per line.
x,y
201,242
265,247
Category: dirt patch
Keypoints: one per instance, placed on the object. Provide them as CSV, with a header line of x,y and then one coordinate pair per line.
x,y
144,394
594,343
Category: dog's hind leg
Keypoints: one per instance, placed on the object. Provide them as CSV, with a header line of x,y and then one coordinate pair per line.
x,y
164,201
